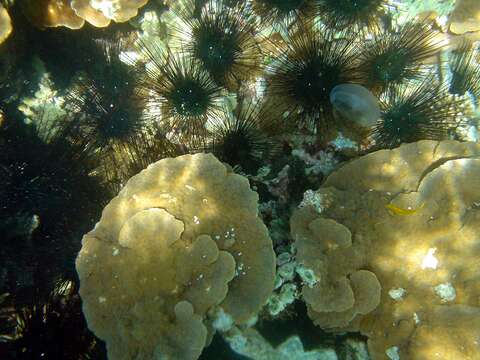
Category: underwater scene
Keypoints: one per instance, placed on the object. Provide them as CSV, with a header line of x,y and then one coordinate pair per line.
x,y
240,179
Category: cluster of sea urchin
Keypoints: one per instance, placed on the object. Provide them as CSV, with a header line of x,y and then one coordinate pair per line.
x,y
174,102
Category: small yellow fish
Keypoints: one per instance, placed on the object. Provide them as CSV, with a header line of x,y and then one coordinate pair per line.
x,y
400,211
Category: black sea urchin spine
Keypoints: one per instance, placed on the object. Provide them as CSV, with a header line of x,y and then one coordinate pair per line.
x,y
243,139
465,71
284,11
355,15
417,112
394,57
109,112
48,194
299,82
222,39
181,95
54,328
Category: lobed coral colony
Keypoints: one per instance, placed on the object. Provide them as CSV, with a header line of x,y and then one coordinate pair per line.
x,y
240,179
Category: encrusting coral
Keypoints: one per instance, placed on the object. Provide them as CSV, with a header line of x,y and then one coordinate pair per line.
x,y
181,239
401,224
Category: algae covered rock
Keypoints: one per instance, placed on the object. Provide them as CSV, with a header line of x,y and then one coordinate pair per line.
x,y
182,238
395,251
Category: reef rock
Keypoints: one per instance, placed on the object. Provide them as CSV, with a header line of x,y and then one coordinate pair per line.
x,y
181,239
394,249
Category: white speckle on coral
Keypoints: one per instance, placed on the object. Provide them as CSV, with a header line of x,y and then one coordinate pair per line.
x,y
446,292
430,261
102,299
196,220
392,353
416,318
397,294
314,199
115,251
189,187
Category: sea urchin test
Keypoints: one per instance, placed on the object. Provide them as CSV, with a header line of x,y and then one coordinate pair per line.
x,y
355,103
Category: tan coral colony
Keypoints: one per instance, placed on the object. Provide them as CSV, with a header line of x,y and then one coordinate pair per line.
x,y
182,238
394,248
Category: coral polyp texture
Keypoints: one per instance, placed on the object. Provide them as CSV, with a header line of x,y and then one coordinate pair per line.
x,y
182,239
393,248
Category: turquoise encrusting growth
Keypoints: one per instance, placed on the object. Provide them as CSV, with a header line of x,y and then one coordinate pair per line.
x,y
207,126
